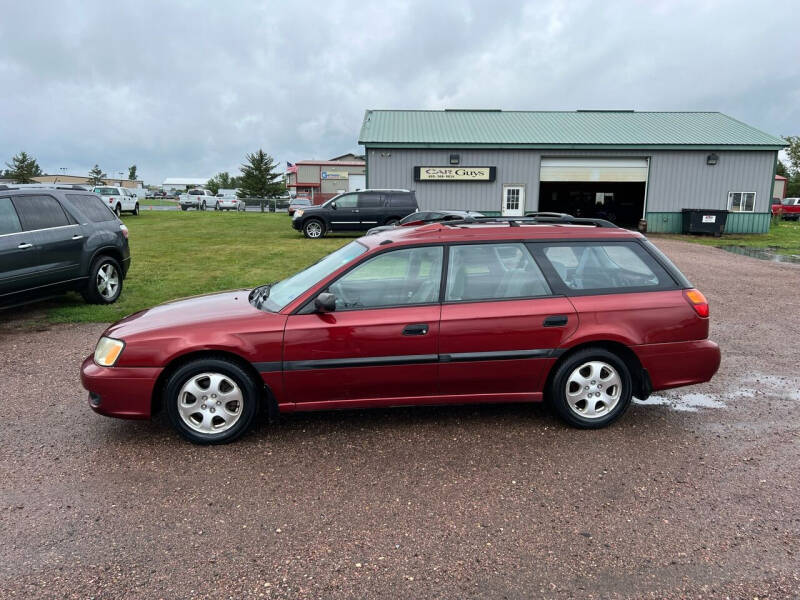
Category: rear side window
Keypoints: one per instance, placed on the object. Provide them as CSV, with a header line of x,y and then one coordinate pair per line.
x,y
106,191
493,272
40,212
402,200
92,207
9,221
370,201
605,267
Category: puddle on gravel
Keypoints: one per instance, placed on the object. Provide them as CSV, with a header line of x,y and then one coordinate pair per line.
x,y
746,388
763,254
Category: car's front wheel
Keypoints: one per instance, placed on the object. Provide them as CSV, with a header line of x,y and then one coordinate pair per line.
x,y
314,229
211,400
105,281
591,389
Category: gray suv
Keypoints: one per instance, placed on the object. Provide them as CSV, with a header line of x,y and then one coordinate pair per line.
x,y
60,238
355,211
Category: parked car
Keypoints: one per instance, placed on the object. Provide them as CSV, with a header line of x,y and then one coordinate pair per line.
x,y
426,216
58,239
229,203
197,198
355,211
299,203
788,208
471,311
119,199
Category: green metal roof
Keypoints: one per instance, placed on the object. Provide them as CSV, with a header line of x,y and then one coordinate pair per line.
x,y
544,129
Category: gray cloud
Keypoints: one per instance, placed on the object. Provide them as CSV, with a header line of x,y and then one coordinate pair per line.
x,y
185,89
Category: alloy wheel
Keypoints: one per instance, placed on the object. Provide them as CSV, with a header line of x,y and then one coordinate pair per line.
x,y
210,403
107,281
593,389
314,229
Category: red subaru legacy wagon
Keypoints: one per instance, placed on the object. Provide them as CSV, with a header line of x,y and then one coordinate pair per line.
x,y
575,311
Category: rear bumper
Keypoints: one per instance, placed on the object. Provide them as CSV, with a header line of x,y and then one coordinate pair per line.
x,y
680,363
118,391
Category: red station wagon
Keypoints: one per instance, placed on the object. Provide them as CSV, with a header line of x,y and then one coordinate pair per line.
x,y
577,311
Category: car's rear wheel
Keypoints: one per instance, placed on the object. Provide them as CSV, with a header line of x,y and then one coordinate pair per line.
x,y
118,210
201,206
136,209
314,229
591,389
105,281
211,400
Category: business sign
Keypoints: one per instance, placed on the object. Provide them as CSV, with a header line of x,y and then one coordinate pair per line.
x,y
709,218
454,173
335,174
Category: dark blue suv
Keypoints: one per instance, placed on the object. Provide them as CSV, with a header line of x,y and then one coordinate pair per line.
x,y
355,211
59,238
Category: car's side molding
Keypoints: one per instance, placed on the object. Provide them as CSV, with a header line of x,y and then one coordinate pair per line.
x,y
405,359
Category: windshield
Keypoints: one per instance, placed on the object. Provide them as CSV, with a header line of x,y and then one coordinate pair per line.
x,y
283,292
106,191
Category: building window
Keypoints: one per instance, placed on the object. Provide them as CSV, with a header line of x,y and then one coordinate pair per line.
x,y
741,201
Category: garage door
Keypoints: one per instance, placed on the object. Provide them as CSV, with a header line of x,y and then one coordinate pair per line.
x,y
593,169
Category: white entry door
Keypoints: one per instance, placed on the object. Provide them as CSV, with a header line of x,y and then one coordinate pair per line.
x,y
513,201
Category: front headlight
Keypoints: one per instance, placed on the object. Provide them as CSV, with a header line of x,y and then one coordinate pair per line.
x,y
108,351
298,213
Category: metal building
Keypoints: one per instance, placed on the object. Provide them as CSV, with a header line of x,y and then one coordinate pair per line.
x,y
620,165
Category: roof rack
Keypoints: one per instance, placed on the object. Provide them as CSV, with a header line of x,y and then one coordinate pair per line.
x,y
532,218
49,186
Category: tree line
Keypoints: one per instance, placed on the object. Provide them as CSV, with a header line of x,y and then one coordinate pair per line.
x,y
258,175
792,170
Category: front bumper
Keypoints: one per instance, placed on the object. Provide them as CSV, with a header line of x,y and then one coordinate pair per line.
x,y
123,392
297,224
677,364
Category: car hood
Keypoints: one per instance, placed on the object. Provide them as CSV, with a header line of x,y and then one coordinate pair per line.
x,y
190,314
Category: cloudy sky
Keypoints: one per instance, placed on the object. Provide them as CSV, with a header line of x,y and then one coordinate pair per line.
x,y
187,88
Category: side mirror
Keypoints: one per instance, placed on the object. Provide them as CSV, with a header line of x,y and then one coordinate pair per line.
x,y
325,303
333,205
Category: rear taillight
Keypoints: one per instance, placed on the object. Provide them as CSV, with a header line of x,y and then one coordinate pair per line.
x,y
124,231
698,302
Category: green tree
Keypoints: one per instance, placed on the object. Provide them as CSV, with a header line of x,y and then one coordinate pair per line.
x,y
780,169
96,176
132,172
22,168
259,178
794,153
223,181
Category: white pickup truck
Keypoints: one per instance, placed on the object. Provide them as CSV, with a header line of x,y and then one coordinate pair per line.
x,y
198,198
119,199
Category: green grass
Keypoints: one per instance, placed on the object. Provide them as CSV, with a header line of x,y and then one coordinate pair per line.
x,y
157,202
783,238
179,254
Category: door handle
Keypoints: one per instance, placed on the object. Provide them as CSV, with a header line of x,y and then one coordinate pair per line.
x,y
555,321
416,329
25,246
77,237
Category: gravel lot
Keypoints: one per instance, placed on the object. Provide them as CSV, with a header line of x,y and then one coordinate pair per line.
x,y
695,494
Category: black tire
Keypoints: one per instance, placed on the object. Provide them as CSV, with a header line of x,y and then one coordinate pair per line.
x,y
136,210
558,389
201,206
184,208
92,292
220,366
314,229
118,210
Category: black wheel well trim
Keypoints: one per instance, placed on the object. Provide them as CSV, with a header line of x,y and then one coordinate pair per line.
x,y
107,251
267,397
639,375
